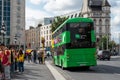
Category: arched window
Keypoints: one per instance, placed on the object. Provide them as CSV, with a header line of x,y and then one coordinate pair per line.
x,y
76,15
95,24
71,16
100,22
106,22
100,28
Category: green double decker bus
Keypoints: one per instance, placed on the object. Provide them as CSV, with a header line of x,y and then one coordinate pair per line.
x,y
74,43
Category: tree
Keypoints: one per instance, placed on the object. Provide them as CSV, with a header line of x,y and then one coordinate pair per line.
x,y
57,22
112,44
103,43
39,25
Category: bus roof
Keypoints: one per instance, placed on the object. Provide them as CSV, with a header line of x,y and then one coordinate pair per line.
x,y
79,19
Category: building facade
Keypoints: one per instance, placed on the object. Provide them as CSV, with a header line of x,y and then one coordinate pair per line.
x,y
12,12
99,11
5,15
31,38
45,31
72,14
34,35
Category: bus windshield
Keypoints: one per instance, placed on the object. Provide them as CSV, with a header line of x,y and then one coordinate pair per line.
x,y
80,35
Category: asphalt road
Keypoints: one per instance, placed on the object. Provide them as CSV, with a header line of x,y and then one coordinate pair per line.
x,y
105,70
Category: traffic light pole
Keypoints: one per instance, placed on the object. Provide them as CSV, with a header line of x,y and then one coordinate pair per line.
x,y
43,46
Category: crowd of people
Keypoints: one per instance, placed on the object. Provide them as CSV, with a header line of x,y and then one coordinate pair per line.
x,y
37,56
11,60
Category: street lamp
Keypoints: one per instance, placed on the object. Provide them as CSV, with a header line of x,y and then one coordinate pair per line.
x,y
3,32
15,39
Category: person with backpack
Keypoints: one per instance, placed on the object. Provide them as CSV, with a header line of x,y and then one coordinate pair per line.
x,y
12,67
21,61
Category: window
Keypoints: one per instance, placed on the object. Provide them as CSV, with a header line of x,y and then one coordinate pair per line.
x,y
80,35
96,14
18,27
71,16
18,8
18,15
18,21
107,22
75,15
18,2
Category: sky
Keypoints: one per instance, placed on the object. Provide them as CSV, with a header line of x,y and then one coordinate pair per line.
x,y
38,9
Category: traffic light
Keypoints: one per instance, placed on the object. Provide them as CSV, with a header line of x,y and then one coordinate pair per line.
x,y
43,40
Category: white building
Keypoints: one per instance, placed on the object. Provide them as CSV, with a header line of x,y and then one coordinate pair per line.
x,y
45,31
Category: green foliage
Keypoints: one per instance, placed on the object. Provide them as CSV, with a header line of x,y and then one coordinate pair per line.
x,y
57,22
112,44
103,43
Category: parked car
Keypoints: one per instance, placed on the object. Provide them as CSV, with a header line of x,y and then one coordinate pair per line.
x,y
104,54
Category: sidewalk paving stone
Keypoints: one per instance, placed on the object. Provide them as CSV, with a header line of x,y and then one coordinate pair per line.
x,y
34,72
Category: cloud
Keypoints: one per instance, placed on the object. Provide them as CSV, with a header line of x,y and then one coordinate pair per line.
x,y
115,19
62,6
33,16
51,7
36,2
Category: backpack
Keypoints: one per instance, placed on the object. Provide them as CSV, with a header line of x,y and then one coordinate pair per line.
x,y
21,58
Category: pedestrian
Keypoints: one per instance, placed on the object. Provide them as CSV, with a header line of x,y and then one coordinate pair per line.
x,y
1,66
6,62
21,61
40,57
12,67
16,60
34,56
29,57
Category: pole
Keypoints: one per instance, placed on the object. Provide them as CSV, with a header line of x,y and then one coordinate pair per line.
x,y
43,45
119,43
3,38
107,41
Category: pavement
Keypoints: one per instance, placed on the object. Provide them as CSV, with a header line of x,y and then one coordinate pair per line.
x,y
118,56
35,71
45,71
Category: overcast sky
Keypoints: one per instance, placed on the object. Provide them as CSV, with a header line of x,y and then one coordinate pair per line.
x,y
37,9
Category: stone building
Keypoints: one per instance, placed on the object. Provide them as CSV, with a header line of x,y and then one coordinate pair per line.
x,y
99,11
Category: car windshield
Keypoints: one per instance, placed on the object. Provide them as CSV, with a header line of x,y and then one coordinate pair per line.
x,y
106,52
